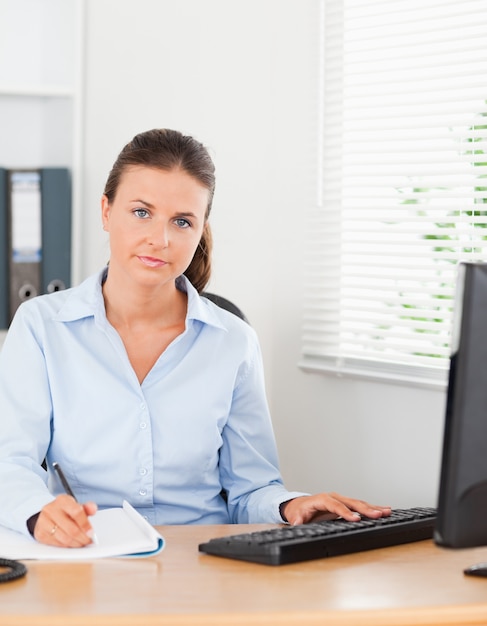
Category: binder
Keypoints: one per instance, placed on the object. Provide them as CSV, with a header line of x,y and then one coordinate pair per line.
x,y
25,239
55,229
4,270
35,235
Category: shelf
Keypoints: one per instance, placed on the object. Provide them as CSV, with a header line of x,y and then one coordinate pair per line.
x,y
51,91
41,90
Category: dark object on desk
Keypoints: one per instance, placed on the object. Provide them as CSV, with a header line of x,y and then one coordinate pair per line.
x,y
290,544
462,501
479,569
15,569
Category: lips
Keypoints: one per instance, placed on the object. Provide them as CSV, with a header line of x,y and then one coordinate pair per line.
x,y
150,261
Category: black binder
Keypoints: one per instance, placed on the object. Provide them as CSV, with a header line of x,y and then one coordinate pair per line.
x,y
4,282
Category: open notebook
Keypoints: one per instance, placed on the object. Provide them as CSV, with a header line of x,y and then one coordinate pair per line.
x,y
119,532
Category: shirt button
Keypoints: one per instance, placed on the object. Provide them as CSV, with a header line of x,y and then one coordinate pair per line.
x,y
143,492
142,406
143,425
142,471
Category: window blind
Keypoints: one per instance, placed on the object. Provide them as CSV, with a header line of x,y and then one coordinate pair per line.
x,y
402,184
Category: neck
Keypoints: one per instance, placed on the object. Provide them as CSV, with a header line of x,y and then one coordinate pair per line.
x,y
137,305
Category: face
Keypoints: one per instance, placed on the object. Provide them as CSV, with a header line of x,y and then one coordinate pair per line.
x,y
155,223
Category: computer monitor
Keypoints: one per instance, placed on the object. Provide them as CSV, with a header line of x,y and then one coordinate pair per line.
x,y
462,501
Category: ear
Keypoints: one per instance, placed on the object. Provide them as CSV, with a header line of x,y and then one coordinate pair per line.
x,y
105,212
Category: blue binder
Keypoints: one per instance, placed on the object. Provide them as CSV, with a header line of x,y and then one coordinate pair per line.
x,y
56,229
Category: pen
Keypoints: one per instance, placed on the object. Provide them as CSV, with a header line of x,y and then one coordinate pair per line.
x,y
68,489
63,480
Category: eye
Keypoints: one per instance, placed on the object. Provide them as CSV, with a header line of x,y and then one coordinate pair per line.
x,y
141,213
182,222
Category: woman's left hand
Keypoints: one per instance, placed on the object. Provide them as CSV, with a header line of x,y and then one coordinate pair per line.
x,y
321,506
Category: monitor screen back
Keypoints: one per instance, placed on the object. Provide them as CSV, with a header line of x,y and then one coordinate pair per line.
x,y
462,502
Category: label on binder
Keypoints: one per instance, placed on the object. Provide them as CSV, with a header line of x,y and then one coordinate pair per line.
x,y
26,216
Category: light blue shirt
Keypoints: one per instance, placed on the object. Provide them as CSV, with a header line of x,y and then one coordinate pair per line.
x,y
199,422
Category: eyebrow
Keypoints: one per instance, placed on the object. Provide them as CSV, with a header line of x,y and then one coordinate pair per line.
x,y
140,201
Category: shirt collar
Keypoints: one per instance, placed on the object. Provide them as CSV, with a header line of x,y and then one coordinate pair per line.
x,y
198,308
86,300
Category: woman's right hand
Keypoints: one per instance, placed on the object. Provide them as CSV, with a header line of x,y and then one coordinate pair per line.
x,y
64,523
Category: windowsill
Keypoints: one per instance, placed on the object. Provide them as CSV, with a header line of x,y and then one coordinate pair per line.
x,y
395,373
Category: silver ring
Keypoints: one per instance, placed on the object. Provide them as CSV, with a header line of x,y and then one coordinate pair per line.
x,y
53,529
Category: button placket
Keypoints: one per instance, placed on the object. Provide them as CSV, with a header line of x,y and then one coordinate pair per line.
x,y
145,489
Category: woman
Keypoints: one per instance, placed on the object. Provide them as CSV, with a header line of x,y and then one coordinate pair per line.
x,y
137,386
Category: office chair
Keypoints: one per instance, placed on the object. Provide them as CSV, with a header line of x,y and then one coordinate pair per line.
x,y
225,304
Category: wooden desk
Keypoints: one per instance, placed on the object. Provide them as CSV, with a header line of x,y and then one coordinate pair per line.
x,y
415,584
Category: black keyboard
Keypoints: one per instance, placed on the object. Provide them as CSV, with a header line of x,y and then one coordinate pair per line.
x,y
289,544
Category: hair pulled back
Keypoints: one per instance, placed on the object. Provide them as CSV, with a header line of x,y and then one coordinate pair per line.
x,y
167,150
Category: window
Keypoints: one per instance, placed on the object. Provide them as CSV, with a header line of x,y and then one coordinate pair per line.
x,y
402,184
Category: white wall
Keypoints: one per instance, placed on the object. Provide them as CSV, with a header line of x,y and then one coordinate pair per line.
x,y
241,77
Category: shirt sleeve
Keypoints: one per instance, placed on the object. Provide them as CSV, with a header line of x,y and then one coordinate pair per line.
x,y
25,414
249,466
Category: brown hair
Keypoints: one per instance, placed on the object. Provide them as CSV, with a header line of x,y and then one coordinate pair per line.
x,y
169,149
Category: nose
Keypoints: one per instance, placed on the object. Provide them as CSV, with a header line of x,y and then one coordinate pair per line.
x,y
158,236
